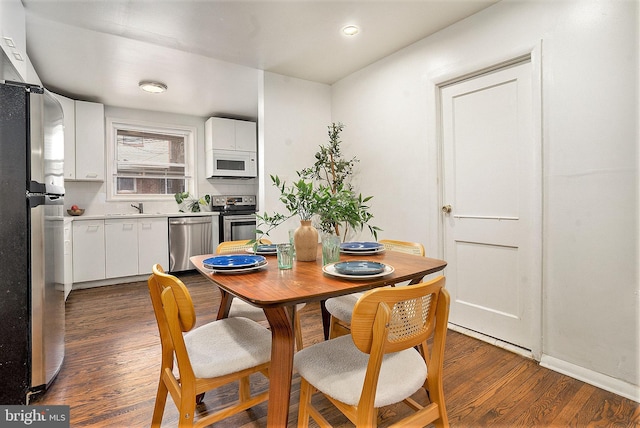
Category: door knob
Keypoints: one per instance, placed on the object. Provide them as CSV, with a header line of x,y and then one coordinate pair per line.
x,y
446,209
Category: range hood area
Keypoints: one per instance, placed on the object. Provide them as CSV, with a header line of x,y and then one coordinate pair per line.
x,y
230,148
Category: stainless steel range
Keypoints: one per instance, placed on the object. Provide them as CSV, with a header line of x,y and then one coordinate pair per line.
x,y
237,216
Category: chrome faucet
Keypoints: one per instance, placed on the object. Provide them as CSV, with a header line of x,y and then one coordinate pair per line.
x,y
139,207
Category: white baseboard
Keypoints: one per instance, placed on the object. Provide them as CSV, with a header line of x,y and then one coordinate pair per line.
x,y
492,340
617,386
110,281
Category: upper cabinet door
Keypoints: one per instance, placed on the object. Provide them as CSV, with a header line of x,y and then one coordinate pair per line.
x,y
220,134
246,136
230,134
89,141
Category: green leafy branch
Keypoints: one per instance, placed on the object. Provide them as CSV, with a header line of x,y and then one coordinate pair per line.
x,y
192,204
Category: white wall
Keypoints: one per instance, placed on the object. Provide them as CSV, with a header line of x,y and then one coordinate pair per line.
x,y
12,26
93,196
590,154
292,118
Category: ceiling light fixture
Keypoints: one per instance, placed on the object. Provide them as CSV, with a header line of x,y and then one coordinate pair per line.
x,y
153,87
350,30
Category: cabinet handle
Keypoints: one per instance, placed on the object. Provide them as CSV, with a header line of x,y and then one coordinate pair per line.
x,y
91,175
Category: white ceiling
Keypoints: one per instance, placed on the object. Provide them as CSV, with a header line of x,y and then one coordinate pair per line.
x,y
209,52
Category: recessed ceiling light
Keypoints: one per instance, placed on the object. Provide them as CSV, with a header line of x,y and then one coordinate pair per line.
x,y
153,87
350,30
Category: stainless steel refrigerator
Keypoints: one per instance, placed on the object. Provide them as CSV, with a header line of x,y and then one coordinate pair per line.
x,y
31,239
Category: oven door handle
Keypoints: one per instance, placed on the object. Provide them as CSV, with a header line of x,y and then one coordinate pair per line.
x,y
240,217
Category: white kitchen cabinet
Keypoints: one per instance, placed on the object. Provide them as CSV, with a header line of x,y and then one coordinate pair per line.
x,y
89,146
13,34
88,250
153,243
118,247
219,134
134,245
69,111
121,247
246,136
230,134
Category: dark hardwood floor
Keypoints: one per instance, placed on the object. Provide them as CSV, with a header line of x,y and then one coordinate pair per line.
x,y
110,373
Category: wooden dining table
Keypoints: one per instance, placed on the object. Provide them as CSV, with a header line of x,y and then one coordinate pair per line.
x,y
278,291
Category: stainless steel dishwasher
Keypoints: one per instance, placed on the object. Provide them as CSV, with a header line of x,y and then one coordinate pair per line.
x,y
188,236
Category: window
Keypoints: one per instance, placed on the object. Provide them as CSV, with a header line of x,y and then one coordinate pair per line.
x,y
149,161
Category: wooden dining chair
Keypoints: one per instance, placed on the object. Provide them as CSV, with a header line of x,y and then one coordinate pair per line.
x,y
341,307
240,308
403,246
238,247
379,364
207,357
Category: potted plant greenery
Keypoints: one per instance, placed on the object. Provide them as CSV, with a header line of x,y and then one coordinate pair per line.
x,y
343,209
323,192
300,198
191,204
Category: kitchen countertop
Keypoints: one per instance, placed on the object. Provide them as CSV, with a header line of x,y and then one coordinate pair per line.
x,y
144,215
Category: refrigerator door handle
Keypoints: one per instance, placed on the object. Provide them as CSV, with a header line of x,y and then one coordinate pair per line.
x,y
36,200
36,187
49,189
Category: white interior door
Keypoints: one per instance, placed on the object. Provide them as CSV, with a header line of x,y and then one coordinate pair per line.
x,y
492,208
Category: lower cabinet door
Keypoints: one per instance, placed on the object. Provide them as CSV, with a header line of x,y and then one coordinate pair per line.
x,y
88,250
121,247
153,239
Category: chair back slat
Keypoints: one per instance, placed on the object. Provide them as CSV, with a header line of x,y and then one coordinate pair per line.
x,y
411,320
234,247
403,246
173,313
155,291
162,280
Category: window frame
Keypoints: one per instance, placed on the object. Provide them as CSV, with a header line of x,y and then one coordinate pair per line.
x,y
115,124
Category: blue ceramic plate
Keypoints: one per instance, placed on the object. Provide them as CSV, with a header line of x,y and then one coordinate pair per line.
x,y
363,252
233,261
361,246
363,267
330,269
227,271
265,249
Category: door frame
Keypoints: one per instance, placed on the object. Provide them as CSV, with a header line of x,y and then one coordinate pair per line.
x,y
455,73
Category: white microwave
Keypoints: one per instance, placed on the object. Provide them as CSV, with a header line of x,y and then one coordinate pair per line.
x,y
231,164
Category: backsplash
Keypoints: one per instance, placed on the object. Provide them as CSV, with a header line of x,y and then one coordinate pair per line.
x,y
92,196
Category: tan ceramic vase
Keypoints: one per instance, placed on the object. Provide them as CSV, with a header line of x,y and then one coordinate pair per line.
x,y
305,241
